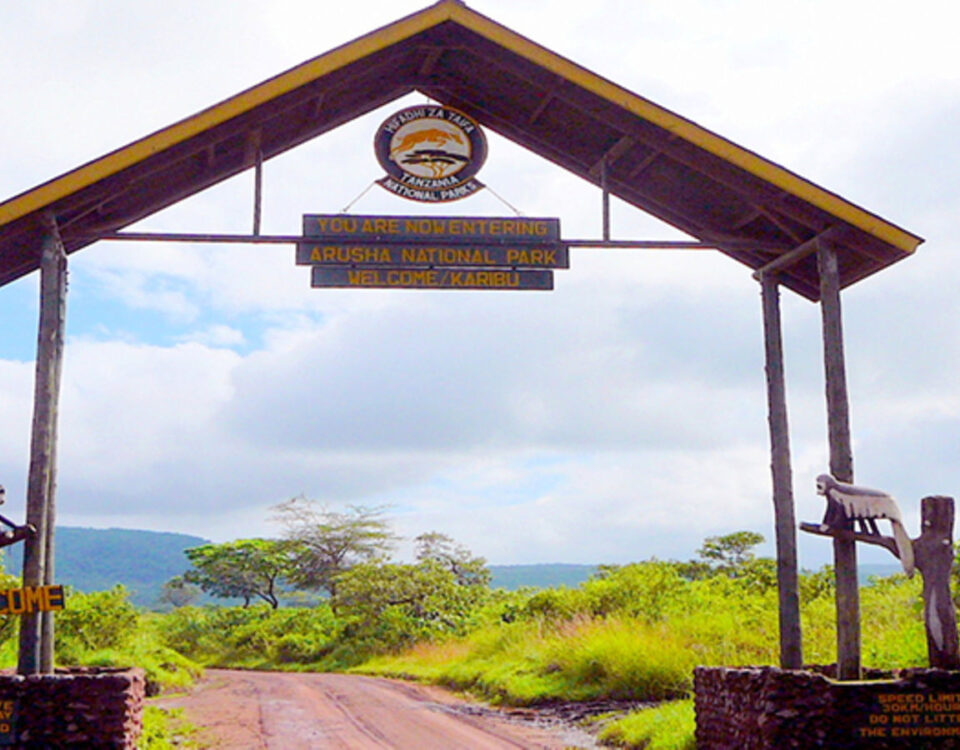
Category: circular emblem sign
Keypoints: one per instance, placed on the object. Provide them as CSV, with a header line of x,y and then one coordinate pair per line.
x,y
430,154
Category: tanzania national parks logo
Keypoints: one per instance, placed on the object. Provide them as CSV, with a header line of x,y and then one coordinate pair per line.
x,y
430,154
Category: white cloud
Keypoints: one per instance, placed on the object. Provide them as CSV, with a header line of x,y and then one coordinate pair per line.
x,y
217,336
619,416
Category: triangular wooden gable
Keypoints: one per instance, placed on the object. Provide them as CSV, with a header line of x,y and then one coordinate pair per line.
x,y
693,179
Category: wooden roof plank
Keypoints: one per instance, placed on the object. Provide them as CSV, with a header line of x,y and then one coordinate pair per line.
x,y
689,131
560,110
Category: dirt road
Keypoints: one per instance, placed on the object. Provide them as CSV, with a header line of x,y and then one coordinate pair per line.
x,y
287,711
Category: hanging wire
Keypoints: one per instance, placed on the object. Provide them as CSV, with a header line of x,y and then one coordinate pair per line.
x,y
504,201
366,190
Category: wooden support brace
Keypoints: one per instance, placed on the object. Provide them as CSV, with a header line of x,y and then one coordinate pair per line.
x,y
798,253
316,106
430,60
611,155
540,108
644,164
606,200
257,192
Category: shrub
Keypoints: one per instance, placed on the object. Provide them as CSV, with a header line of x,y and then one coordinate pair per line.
x,y
93,622
250,636
554,604
669,726
645,590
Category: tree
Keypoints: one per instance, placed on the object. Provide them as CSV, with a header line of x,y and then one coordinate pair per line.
x,y
179,592
731,552
468,569
245,568
393,605
327,543
694,570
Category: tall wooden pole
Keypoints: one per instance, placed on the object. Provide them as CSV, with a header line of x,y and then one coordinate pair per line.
x,y
42,478
791,642
841,461
47,636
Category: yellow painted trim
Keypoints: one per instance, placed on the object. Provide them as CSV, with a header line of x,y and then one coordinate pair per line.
x,y
137,151
396,32
689,131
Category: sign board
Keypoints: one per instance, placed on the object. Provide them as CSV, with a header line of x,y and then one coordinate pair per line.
x,y
918,716
431,278
31,599
516,256
431,252
485,230
8,721
430,153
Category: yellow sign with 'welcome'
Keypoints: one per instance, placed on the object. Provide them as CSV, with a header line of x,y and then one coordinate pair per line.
x,y
31,599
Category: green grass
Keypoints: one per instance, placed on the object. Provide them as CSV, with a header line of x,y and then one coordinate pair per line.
x,y
87,636
636,634
165,668
669,726
256,637
529,663
643,656
166,729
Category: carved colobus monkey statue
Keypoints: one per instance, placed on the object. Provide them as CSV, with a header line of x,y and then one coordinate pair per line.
x,y
863,505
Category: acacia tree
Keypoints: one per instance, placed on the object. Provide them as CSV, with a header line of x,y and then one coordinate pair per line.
x,y
731,552
468,569
327,543
244,569
179,592
396,604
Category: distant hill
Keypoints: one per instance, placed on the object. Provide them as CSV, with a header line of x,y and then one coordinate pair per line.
x,y
876,570
541,576
513,577
98,559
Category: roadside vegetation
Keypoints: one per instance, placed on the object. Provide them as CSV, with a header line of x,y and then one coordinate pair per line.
x,y
629,633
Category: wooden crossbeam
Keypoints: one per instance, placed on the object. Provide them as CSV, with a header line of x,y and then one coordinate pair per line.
x,y
430,60
539,110
611,155
17,534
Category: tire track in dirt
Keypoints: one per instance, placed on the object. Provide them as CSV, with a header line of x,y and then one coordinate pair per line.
x,y
239,710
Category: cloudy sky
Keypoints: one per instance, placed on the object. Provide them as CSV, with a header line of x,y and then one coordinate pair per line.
x,y
619,417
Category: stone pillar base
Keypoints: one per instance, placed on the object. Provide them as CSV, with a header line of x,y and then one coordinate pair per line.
x,y
79,707
766,708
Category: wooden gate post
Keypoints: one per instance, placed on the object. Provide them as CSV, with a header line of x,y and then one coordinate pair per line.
x,y
933,552
41,482
47,635
841,461
791,642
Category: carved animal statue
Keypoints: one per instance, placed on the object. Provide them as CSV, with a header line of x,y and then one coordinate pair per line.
x,y
863,505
